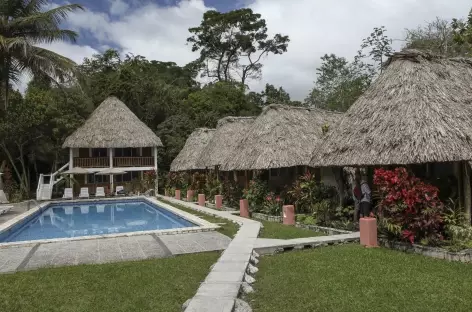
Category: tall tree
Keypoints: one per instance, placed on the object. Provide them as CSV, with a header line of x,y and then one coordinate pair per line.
x,y
463,31
339,83
23,26
437,37
275,96
378,45
233,44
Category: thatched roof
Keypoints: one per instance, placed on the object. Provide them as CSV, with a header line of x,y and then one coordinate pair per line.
x,y
282,136
417,111
112,125
189,156
230,131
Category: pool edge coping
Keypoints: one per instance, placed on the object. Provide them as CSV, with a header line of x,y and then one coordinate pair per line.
x,y
201,224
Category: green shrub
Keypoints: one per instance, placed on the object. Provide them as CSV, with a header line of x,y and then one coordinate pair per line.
x,y
309,220
256,194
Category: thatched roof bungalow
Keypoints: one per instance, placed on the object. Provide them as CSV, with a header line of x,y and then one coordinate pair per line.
x,y
230,131
190,155
112,125
417,111
281,136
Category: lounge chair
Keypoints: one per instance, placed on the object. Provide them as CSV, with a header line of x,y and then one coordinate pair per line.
x,y
120,190
68,193
84,192
100,192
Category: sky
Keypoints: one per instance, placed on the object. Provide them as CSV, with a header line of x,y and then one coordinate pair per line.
x,y
157,29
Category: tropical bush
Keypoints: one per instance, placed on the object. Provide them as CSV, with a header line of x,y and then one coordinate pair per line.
x,y
198,183
256,194
311,196
232,193
272,205
408,208
177,180
212,187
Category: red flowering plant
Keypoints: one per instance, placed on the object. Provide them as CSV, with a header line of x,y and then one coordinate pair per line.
x,y
272,204
408,207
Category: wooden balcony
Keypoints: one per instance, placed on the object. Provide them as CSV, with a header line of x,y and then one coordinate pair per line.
x,y
104,162
89,162
133,161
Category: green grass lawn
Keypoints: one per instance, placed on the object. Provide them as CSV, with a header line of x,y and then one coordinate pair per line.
x,y
228,228
353,278
280,231
151,285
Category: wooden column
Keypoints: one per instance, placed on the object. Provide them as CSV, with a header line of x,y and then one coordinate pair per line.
x,y
467,191
156,169
71,166
110,155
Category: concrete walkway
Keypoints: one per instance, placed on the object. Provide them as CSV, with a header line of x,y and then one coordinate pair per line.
x,y
269,246
106,250
221,287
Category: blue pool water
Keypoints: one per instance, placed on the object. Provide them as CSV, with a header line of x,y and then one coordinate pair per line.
x,y
94,218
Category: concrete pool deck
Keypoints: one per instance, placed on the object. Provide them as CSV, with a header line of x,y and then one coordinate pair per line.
x,y
139,247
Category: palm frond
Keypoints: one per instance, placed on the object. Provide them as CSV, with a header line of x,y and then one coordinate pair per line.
x,y
50,19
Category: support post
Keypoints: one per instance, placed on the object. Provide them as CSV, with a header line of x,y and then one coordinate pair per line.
x,y
156,183
110,155
244,208
467,191
368,232
218,201
201,200
289,215
71,166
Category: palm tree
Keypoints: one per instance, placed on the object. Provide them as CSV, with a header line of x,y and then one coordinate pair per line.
x,y
23,26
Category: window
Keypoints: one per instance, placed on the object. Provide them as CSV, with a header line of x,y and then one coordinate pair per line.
x,y
147,152
126,152
99,152
84,153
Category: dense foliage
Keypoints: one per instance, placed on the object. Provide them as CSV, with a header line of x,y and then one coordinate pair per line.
x,y
408,208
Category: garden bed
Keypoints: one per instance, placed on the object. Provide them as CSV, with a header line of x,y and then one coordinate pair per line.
x,y
315,228
433,252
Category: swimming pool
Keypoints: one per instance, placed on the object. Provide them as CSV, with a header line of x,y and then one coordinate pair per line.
x,y
68,220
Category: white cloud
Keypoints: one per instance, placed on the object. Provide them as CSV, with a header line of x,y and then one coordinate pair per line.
x,y
118,7
315,27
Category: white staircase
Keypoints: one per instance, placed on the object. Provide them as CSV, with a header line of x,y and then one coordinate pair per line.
x,y
46,183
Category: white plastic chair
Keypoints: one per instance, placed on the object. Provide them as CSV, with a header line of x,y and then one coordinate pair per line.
x,y
100,192
119,188
84,192
68,193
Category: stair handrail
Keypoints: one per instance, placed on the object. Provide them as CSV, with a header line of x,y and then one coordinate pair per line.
x,y
52,182
40,184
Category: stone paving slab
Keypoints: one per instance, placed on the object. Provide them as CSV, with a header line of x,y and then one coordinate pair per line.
x,y
266,246
107,250
12,258
198,304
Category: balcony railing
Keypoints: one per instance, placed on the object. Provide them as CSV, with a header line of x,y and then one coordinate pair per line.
x,y
98,162
133,161
104,162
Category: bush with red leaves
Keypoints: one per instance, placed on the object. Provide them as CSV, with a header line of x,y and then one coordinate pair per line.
x,y
410,207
